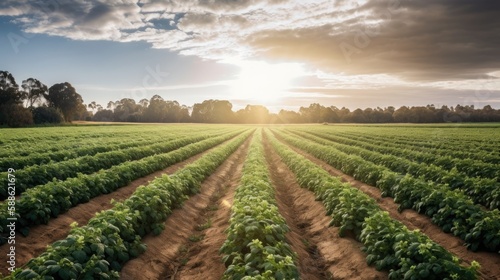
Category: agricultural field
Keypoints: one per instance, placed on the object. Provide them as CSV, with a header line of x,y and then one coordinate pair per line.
x,y
250,202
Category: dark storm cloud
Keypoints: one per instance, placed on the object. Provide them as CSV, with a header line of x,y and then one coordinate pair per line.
x,y
416,40
421,41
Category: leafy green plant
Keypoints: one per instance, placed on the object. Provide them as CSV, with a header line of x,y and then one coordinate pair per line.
x,y
38,205
452,210
255,247
385,240
457,173
37,175
112,237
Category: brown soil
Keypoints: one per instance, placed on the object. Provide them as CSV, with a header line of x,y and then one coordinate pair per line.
x,y
490,262
322,253
58,228
167,251
203,259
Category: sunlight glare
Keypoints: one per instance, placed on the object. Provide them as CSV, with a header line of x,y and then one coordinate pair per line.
x,y
263,82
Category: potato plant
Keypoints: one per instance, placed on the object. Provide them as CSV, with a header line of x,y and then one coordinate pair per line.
x,y
256,246
40,204
37,175
453,211
485,191
384,239
112,237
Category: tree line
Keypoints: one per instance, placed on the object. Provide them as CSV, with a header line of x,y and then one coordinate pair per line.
x,y
35,103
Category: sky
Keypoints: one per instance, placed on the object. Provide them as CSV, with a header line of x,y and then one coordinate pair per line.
x,y
278,53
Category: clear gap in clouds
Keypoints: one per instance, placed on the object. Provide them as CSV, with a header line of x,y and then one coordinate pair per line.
x,y
420,53
105,68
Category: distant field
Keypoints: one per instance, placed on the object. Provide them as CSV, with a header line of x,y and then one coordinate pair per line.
x,y
157,201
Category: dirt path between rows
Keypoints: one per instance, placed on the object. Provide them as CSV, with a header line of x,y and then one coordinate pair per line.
x,y
322,253
58,228
168,251
490,262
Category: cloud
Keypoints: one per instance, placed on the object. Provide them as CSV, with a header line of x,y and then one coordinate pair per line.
x,y
78,20
211,6
414,40
160,39
351,42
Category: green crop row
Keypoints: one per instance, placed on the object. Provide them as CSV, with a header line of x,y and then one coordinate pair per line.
x,y
467,166
256,247
42,174
38,205
463,141
89,147
481,190
112,237
451,210
32,141
388,243
454,147
470,138
20,162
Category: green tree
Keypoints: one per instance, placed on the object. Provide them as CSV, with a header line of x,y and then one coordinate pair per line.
x,y
105,115
33,91
64,97
288,116
94,107
213,111
12,113
126,110
402,115
44,114
312,114
253,114
15,115
9,89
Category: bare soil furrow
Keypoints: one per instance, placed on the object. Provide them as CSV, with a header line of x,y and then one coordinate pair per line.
x,y
490,262
58,228
166,252
322,253
202,259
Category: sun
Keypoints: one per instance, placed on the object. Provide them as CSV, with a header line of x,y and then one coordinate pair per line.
x,y
263,82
